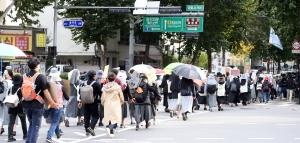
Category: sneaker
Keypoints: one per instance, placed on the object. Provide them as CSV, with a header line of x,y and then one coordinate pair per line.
x,y
87,134
11,139
91,131
61,132
107,131
24,137
101,124
183,116
48,140
122,126
2,131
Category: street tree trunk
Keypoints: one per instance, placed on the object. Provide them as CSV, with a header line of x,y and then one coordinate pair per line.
x,y
147,49
196,54
208,52
223,56
278,67
102,54
268,66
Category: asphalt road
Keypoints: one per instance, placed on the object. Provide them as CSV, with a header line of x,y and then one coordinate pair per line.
x,y
275,122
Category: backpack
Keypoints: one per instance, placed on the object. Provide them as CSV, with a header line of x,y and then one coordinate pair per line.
x,y
86,93
28,89
266,86
12,100
139,97
211,88
233,87
259,86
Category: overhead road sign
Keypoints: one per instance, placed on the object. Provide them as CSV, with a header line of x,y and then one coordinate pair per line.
x,y
194,7
173,24
73,23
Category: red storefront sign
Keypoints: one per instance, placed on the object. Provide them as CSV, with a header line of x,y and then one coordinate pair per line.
x,y
22,43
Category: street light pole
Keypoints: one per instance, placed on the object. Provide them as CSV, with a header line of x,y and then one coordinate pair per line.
x,y
55,33
131,40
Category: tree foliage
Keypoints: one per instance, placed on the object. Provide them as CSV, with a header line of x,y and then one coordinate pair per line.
x,y
99,25
26,11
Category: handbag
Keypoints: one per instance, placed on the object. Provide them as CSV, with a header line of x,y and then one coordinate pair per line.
x,y
12,100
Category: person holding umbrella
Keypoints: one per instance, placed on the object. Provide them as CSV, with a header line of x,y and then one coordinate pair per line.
x,y
187,90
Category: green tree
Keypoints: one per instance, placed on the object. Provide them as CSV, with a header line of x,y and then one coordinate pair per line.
x,y
26,11
99,25
201,61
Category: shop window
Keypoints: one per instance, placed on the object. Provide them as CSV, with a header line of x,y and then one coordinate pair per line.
x,y
124,37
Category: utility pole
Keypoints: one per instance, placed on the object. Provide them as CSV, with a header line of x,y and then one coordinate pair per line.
x,y
131,46
55,32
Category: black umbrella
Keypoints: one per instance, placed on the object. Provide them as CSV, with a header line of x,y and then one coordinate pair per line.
x,y
188,71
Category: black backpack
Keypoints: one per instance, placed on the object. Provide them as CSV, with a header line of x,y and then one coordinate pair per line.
x,y
266,86
233,87
140,97
211,88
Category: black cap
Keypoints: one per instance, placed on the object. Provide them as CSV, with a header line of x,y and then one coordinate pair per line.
x,y
17,79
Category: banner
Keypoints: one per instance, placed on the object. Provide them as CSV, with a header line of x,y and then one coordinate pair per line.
x,y
22,41
105,71
235,72
274,39
40,40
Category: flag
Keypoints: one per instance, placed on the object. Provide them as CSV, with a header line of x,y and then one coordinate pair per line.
x,y
274,39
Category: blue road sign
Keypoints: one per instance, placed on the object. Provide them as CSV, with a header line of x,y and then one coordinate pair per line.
x,y
73,23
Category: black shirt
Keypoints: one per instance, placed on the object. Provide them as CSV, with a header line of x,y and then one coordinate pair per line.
x,y
41,85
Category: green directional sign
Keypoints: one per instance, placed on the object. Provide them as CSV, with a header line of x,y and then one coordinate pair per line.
x,y
152,24
194,7
173,24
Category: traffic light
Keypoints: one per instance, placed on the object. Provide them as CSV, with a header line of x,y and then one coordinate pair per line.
x,y
51,51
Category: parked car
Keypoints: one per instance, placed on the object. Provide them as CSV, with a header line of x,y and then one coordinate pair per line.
x,y
61,68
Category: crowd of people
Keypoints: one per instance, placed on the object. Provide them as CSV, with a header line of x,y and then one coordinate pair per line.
x,y
110,100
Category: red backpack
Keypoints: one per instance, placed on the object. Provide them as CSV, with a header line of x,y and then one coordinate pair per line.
x,y
28,89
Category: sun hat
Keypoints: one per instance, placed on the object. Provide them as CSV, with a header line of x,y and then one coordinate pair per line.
x,y
53,71
55,77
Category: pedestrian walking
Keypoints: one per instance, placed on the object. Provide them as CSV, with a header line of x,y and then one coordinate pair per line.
x,y
142,102
259,88
233,92
187,91
174,104
72,109
100,106
112,99
33,102
55,115
132,85
164,86
266,89
18,111
221,92
244,89
89,91
202,97
210,92
290,85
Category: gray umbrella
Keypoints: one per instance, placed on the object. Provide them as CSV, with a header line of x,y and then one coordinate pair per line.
x,y
188,71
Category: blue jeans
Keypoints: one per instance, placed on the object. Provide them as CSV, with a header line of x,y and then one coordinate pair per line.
x,y
55,116
283,90
266,96
34,116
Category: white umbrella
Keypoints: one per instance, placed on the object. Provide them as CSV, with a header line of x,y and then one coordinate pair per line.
x,y
142,68
9,50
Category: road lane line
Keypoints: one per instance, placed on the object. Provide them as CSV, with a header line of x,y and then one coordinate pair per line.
x,y
286,124
248,123
210,138
297,138
159,138
261,138
109,140
81,134
129,128
211,122
100,129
